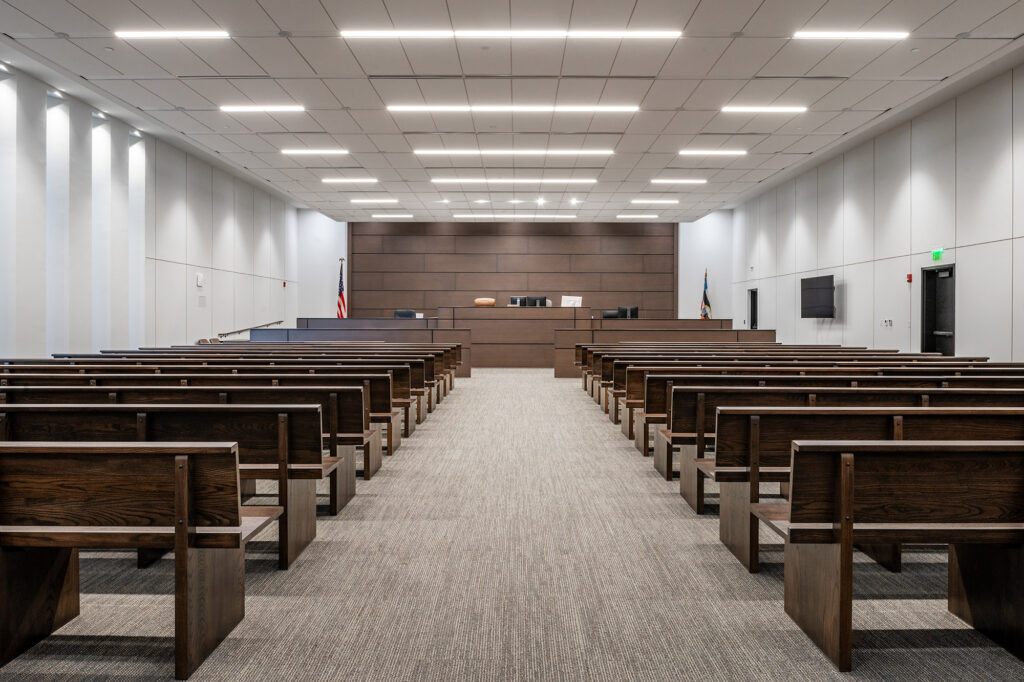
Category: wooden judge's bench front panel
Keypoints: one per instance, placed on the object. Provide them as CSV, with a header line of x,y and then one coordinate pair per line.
x,y
428,266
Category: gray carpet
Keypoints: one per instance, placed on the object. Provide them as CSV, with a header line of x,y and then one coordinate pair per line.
x,y
517,536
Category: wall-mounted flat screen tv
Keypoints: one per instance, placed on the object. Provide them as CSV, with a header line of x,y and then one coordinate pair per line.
x,y
817,297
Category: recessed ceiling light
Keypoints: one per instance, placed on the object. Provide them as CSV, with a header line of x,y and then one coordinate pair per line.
x,y
55,93
512,34
391,215
541,201
764,110
712,152
135,133
313,152
654,201
627,216
850,35
515,216
342,181
513,181
374,201
180,35
250,108
481,201
444,201
574,201
514,152
678,181
516,108
99,114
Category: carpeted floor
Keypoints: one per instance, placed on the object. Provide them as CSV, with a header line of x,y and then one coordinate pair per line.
x,y
517,536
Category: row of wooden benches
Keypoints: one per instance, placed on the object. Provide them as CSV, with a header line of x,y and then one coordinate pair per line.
x,y
155,450
937,445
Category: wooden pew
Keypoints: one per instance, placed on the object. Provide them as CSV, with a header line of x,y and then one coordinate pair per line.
x,y
62,497
967,494
753,446
693,412
346,409
268,436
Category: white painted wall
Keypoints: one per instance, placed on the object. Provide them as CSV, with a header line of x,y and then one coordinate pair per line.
x,y
102,235
950,178
706,244
321,242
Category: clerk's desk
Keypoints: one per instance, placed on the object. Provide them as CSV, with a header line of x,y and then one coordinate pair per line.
x,y
513,336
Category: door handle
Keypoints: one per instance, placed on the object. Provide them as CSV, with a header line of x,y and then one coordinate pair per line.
x,y
943,333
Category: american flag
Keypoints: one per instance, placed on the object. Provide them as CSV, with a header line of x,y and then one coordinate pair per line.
x,y
705,303
342,308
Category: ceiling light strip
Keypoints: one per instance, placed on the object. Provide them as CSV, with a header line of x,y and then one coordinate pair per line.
x,y
851,35
764,109
514,34
513,181
712,152
516,108
345,181
514,152
678,181
256,108
391,215
646,216
314,152
654,201
170,35
374,201
514,216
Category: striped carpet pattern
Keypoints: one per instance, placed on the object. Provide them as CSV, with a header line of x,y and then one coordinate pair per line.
x,y
516,536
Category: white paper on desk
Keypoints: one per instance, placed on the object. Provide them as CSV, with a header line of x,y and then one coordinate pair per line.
x,y
419,316
572,301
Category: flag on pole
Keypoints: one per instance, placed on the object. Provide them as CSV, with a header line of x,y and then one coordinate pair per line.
x,y
705,304
342,308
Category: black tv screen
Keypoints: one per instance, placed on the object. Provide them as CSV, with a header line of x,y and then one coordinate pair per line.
x,y
817,297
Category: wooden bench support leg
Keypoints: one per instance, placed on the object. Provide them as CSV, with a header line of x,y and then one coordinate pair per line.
x,y
664,451
640,432
985,590
297,527
38,594
626,422
691,481
887,556
346,475
784,490
371,455
408,426
420,414
737,527
616,406
395,433
146,557
209,601
819,597
248,488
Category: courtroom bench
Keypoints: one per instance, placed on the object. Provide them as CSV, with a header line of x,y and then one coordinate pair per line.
x,y
964,494
62,497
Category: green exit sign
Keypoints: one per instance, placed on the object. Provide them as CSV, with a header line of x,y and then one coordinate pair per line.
x,y
937,254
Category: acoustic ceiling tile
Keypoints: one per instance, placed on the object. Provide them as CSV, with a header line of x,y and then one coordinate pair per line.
x,y
745,57
241,17
961,16
644,59
900,58
781,17
485,57
433,57
1007,24
849,58
721,17
298,15
221,122
175,57
226,57
668,94
693,57
330,57
277,56
59,16
133,94
589,57
379,58
847,94
797,58
357,93
336,121
955,58
843,14
893,94
66,52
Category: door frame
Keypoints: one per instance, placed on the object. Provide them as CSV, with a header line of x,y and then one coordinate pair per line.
x,y
924,293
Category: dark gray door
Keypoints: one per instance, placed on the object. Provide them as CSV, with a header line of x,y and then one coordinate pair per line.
x,y
752,294
938,310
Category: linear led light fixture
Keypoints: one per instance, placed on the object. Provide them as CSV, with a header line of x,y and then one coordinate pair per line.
x,y
170,35
513,181
851,35
313,152
345,181
654,201
678,181
517,108
627,216
374,201
764,110
514,152
391,215
514,216
516,34
252,108
712,152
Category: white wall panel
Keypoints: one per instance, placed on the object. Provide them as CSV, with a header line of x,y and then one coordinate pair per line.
x,y
261,234
857,304
198,212
245,308
785,311
785,212
322,242
277,230
984,163
1018,152
199,305
8,190
223,220
170,303
29,180
805,226
243,227
933,178
830,213
171,218
892,193
80,227
892,302
222,301
1018,301
121,229
859,204
767,238
984,306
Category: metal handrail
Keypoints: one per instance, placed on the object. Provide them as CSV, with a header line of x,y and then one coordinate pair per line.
x,y
246,329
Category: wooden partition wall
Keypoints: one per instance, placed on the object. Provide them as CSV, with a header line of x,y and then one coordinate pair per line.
x,y
425,266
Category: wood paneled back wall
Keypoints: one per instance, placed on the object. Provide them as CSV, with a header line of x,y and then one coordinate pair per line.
x,y
426,265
